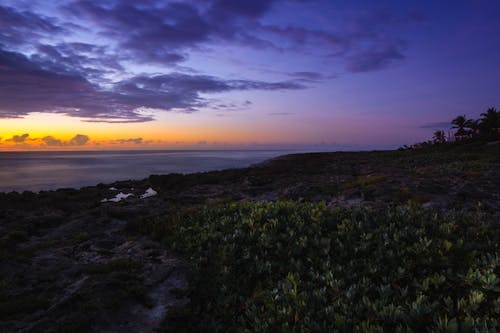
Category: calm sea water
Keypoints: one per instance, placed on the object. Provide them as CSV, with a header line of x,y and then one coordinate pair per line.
x,y
36,171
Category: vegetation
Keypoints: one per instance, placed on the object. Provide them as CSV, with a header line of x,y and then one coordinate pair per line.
x,y
303,267
486,128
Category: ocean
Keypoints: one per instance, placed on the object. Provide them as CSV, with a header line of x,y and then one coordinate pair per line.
x,y
35,171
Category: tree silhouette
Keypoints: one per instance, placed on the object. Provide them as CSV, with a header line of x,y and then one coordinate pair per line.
x,y
490,122
439,137
460,123
487,128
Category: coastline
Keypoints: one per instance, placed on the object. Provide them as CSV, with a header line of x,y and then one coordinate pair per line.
x,y
35,171
71,259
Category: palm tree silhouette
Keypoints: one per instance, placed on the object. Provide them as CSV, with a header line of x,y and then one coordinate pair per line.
x,y
473,126
490,121
460,123
439,137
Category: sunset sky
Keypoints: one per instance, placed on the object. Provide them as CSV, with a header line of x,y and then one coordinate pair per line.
x,y
242,74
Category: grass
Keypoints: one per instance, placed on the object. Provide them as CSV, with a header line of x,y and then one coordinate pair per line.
x,y
364,181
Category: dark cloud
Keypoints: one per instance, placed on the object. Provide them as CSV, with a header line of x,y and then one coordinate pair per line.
x,y
164,32
90,81
182,91
24,26
333,41
25,86
19,138
229,9
155,32
311,76
365,43
374,59
87,60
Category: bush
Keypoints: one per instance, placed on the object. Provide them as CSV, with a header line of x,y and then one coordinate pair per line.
x,y
303,267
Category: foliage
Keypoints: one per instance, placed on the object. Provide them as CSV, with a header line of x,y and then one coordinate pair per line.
x,y
439,137
487,128
304,267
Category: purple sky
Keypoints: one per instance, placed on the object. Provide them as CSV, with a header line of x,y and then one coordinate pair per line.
x,y
361,73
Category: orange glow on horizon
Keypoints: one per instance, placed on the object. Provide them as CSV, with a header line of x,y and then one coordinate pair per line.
x,y
205,130
174,131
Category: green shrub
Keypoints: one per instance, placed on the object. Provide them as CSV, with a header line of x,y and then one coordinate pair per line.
x,y
303,267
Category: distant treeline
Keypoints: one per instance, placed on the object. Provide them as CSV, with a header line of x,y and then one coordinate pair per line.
x,y
486,128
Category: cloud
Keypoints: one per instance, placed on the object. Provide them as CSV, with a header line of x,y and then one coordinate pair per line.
x,y
19,138
365,43
307,75
230,106
374,59
25,86
312,77
165,32
25,26
79,140
281,114
51,141
231,8
136,141
125,70
155,32
90,61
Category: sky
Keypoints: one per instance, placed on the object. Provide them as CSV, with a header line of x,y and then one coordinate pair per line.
x,y
217,74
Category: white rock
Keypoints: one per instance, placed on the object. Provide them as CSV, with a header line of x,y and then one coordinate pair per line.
x,y
119,197
149,193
